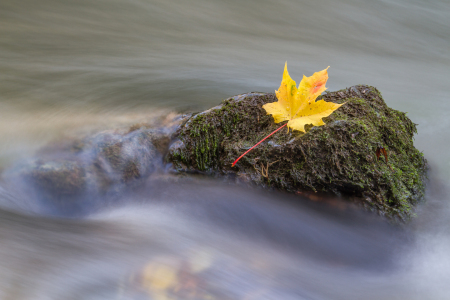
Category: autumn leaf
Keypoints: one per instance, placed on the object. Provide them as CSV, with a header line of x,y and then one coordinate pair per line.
x,y
158,276
167,278
299,106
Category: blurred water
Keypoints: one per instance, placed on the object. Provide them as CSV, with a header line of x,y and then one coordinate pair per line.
x,y
74,67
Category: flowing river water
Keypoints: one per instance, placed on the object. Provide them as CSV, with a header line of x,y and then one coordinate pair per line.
x,y
70,68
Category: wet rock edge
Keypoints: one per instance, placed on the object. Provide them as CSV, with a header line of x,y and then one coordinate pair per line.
x,y
338,158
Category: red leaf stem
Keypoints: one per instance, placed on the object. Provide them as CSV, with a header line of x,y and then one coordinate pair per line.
x,y
256,145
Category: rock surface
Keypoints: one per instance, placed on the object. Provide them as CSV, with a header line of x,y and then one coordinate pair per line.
x,y
338,158
76,173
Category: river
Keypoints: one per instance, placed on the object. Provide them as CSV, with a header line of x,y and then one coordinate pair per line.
x,y
70,68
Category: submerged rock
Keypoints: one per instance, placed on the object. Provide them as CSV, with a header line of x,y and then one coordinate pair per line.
x,y
338,158
100,165
65,177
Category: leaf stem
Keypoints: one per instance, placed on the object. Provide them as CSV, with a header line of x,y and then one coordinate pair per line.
x,y
256,145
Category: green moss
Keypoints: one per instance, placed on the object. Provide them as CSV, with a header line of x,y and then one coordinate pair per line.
x,y
206,133
339,157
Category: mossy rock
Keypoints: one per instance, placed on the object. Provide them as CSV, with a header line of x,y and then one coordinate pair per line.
x,y
338,158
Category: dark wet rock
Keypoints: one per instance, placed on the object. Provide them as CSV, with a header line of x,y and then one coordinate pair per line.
x,y
103,164
338,158
115,158
66,178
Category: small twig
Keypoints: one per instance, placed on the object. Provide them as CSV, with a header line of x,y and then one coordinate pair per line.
x,y
257,170
272,163
265,172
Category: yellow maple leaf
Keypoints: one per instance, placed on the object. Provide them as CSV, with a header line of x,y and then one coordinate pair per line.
x,y
299,106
